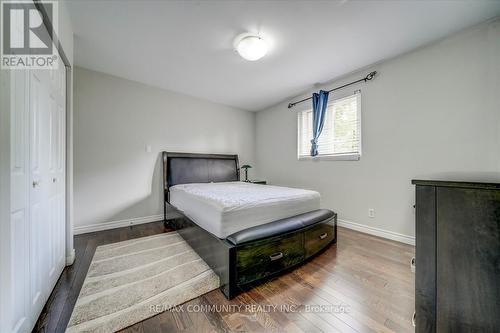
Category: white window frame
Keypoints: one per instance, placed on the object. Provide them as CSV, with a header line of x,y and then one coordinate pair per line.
x,y
334,157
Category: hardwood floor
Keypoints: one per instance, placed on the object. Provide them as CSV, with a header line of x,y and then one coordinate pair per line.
x,y
362,284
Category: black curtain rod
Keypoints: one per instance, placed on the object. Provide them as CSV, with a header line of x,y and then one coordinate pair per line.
x,y
366,78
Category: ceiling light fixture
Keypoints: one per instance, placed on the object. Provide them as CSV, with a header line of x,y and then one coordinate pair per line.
x,y
250,47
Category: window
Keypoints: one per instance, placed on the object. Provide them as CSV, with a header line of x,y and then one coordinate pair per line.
x,y
341,135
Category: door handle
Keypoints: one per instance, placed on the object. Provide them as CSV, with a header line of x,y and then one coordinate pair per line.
x,y
54,180
276,256
36,183
323,236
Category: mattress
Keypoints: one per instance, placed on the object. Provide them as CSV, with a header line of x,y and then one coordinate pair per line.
x,y
225,208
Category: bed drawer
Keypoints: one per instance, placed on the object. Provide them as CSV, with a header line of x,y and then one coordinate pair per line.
x,y
262,259
317,237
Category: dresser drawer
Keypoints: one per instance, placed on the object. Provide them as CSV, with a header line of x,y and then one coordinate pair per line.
x,y
262,259
317,237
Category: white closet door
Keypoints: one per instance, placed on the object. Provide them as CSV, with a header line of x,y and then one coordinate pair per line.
x,y
39,110
19,218
56,173
36,252
47,184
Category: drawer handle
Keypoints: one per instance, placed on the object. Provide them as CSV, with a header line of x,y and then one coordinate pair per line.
x,y
413,319
323,236
276,256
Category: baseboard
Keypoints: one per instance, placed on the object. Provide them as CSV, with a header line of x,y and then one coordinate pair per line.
x,y
153,218
70,259
83,229
377,232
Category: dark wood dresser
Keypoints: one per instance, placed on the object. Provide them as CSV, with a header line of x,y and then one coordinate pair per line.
x,y
457,281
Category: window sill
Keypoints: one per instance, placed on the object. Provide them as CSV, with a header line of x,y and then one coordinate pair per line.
x,y
339,157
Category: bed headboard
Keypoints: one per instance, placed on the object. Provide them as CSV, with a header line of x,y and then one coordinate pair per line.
x,y
185,168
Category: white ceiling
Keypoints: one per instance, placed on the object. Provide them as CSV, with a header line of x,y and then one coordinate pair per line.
x,y
186,46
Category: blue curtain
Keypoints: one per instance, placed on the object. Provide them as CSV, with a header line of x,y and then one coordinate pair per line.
x,y
319,101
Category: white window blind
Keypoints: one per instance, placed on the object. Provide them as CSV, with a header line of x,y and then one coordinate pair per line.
x,y
341,135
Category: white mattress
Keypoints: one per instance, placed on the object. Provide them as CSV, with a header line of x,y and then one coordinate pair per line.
x,y
225,208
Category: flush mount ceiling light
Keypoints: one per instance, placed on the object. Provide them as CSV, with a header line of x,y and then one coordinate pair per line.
x,y
250,47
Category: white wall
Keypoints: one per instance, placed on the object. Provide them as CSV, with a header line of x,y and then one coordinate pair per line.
x,y
114,177
434,112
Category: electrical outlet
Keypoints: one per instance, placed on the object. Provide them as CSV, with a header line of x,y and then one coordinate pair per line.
x,y
148,148
371,212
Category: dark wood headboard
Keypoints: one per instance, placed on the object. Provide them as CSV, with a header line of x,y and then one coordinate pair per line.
x,y
185,168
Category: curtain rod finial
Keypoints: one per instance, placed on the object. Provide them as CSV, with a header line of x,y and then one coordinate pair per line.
x,y
370,75
290,105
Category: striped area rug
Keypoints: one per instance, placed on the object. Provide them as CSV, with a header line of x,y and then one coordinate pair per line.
x,y
129,281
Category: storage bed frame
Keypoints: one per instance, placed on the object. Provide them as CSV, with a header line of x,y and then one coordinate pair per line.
x,y
252,255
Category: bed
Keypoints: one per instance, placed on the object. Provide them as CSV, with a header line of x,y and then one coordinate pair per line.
x,y
245,232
